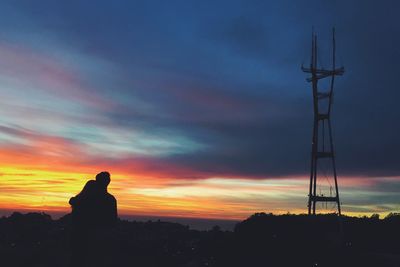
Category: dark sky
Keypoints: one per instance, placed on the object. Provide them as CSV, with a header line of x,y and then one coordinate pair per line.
x,y
206,88
227,75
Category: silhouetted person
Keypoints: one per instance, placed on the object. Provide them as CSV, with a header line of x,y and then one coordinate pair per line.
x,y
84,205
83,218
94,215
106,220
106,203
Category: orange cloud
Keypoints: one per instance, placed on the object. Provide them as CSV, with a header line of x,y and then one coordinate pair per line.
x,y
43,171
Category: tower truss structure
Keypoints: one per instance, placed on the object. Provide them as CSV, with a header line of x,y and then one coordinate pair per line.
x,y
322,142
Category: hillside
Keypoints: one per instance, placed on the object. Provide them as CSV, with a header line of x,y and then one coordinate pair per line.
x,y
35,239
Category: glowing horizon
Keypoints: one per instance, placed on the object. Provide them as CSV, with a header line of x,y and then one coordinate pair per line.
x,y
213,198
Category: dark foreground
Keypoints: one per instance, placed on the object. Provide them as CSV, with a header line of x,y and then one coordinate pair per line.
x,y
35,239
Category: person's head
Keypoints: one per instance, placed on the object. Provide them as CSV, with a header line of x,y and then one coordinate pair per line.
x,y
103,179
90,188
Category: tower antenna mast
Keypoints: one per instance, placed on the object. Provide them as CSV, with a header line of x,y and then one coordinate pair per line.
x,y
322,103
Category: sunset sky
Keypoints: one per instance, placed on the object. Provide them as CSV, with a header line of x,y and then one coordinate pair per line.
x,y
196,108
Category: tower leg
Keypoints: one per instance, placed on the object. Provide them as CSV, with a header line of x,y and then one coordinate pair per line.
x,y
311,204
334,167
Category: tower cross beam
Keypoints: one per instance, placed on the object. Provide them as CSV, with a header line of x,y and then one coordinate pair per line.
x,y
338,71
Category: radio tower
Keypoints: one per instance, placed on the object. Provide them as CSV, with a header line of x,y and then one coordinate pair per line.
x,y
322,143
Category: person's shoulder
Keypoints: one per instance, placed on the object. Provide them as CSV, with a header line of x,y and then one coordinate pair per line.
x,y
111,197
